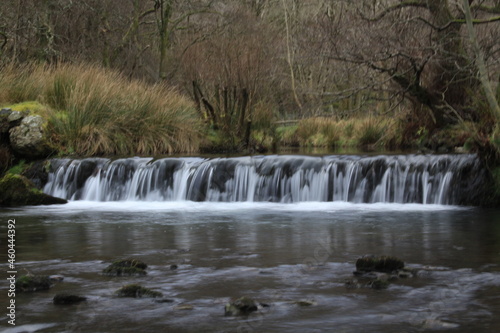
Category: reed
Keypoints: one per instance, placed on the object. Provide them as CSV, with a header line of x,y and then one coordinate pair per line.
x,y
96,111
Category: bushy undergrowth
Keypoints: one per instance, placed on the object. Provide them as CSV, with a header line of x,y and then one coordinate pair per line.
x,y
96,111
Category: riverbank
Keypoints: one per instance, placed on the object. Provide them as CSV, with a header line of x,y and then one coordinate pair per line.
x,y
85,111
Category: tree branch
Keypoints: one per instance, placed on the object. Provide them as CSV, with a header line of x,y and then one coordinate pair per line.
x,y
404,4
478,21
492,10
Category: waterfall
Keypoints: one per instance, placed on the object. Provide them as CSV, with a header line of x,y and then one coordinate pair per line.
x,y
425,179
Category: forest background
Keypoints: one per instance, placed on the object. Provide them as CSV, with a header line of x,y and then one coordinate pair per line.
x,y
121,77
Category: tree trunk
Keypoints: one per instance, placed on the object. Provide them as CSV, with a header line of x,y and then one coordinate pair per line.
x,y
164,31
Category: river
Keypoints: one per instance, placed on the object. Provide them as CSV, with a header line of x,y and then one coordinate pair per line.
x,y
275,253
288,250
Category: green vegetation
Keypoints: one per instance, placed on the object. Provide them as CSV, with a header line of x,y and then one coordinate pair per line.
x,y
96,111
135,290
18,168
17,190
355,132
34,107
126,268
30,283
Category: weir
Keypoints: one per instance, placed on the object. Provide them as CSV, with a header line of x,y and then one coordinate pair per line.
x,y
424,179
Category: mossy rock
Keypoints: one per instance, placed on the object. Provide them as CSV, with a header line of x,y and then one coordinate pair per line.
x,y
30,283
17,190
241,307
383,264
126,267
379,284
135,290
66,299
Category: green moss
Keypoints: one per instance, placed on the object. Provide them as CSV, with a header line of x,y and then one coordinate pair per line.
x,y
35,108
135,290
126,268
17,190
30,283
18,168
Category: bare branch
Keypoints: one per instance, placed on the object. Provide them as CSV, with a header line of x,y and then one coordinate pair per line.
x,y
404,4
487,9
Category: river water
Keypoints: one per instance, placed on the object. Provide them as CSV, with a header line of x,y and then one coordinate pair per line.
x,y
276,253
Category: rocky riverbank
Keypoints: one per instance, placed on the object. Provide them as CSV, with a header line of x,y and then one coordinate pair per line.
x,y
22,137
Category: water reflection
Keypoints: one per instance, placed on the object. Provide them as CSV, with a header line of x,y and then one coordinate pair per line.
x,y
275,253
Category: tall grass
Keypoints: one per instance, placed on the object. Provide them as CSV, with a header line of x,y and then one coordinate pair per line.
x,y
362,131
96,111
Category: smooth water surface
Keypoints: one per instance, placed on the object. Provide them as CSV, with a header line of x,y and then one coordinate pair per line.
x,y
275,253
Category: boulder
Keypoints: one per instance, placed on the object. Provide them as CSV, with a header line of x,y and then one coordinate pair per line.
x,y
17,190
126,267
66,299
37,172
241,307
28,138
10,119
30,283
379,264
135,290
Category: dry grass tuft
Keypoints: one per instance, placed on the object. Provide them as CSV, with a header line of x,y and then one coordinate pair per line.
x,y
96,111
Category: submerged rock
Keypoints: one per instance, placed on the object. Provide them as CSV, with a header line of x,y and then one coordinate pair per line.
x,y
383,264
378,272
135,290
56,278
126,267
67,299
184,307
305,302
17,190
30,283
241,307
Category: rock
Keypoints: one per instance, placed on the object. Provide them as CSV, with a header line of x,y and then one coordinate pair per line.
x,y
4,120
38,173
6,158
352,284
173,267
305,303
126,267
379,264
184,307
17,190
56,278
10,119
379,284
241,306
30,283
28,138
66,299
164,300
135,290
16,116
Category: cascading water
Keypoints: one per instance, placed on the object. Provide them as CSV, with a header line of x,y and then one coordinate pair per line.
x,y
425,179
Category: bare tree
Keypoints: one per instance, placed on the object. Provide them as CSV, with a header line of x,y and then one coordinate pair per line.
x,y
419,46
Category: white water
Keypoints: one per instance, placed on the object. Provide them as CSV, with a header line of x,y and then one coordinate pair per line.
x,y
422,179
218,207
